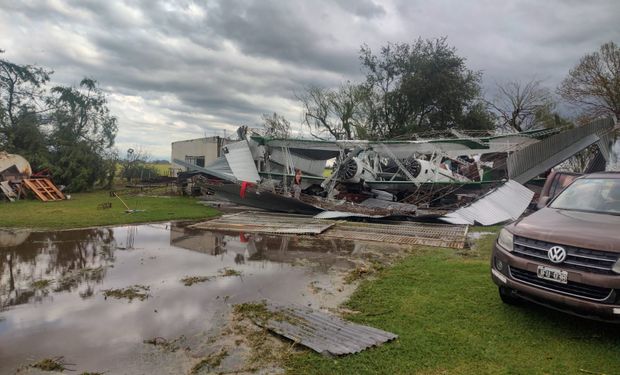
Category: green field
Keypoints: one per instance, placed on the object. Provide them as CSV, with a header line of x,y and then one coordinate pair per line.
x,y
450,320
82,210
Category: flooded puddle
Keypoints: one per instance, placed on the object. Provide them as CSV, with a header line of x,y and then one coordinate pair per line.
x,y
58,290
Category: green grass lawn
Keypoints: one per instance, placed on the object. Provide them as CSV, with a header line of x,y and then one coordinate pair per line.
x,y
450,320
82,211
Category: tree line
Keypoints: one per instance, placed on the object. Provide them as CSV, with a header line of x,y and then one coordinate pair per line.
x,y
64,129
426,88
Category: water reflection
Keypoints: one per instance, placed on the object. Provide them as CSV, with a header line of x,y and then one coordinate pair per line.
x,y
324,253
30,261
51,283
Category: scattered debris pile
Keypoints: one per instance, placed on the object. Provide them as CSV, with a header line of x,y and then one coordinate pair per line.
x,y
16,177
398,232
391,178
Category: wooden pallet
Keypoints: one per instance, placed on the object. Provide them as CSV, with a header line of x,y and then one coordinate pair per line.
x,y
44,189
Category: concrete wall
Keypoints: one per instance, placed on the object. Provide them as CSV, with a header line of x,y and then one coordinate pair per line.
x,y
209,148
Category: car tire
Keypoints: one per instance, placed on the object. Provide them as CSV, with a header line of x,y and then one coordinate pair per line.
x,y
507,296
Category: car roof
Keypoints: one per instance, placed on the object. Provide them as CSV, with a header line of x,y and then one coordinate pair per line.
x,y
603,175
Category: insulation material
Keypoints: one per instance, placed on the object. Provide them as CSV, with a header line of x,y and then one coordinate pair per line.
x,y
307,165
507,202
321,332
239,158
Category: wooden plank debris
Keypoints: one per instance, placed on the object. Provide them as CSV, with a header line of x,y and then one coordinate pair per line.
x,y
7,190
44,189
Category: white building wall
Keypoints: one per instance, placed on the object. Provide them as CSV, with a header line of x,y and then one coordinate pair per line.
x,y
209,148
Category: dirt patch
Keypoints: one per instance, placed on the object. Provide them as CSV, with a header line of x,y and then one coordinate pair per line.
x,y
140,292
166,345
226,272
210,362
191,280
56,364
40,284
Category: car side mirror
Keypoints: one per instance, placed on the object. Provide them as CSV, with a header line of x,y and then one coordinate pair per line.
x,y
542,202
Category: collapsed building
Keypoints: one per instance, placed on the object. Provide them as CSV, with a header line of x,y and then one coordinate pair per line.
x,y
464,180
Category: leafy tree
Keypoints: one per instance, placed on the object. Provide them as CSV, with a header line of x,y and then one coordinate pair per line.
x,y
477,117
83,132
276,126
336,113
523,106
417,87
594,83
22,91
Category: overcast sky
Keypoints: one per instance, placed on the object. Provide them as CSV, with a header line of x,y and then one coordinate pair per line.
x,y
177,70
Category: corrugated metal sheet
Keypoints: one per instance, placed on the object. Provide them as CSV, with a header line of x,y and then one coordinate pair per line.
x,y
213,172
529,162
507,202
323,333
258,222
403,233
239,158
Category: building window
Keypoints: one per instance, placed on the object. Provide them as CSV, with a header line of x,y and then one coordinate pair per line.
x,y
196,160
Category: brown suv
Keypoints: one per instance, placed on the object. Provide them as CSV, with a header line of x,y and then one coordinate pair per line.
x,y
566,255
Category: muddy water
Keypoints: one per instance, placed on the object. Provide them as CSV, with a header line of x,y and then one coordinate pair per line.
x,y
51,300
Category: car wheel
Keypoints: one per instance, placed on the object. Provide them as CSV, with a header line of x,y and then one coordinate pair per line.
x,y
508,296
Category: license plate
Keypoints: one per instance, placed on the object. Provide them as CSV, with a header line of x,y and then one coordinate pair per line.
x,y
552,274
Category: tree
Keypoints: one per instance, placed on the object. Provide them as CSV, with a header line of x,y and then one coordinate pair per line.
x,y
417,87
594,83
136,165
276,126
339,113
523,106
83,132
22,92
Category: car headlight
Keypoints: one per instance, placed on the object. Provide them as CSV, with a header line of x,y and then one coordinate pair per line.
x,y
616,267
505,239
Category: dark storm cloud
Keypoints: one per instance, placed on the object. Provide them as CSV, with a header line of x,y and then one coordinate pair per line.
x,y
182,69
282,31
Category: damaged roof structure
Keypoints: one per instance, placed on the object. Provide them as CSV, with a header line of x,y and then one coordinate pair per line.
x,y
462,180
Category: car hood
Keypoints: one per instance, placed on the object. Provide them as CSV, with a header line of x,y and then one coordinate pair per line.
x,y
573,228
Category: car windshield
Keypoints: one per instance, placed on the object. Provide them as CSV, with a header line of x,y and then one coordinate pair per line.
x,y
592,195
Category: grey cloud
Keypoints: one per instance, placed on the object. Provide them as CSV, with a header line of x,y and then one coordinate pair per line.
x,y
362,8
203,66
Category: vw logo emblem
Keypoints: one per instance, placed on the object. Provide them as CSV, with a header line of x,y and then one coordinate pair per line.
x,y
556,254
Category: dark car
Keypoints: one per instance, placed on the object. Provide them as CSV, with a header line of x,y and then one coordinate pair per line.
x,y
566,255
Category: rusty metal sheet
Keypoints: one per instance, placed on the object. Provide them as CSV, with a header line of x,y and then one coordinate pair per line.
x,y
321,332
